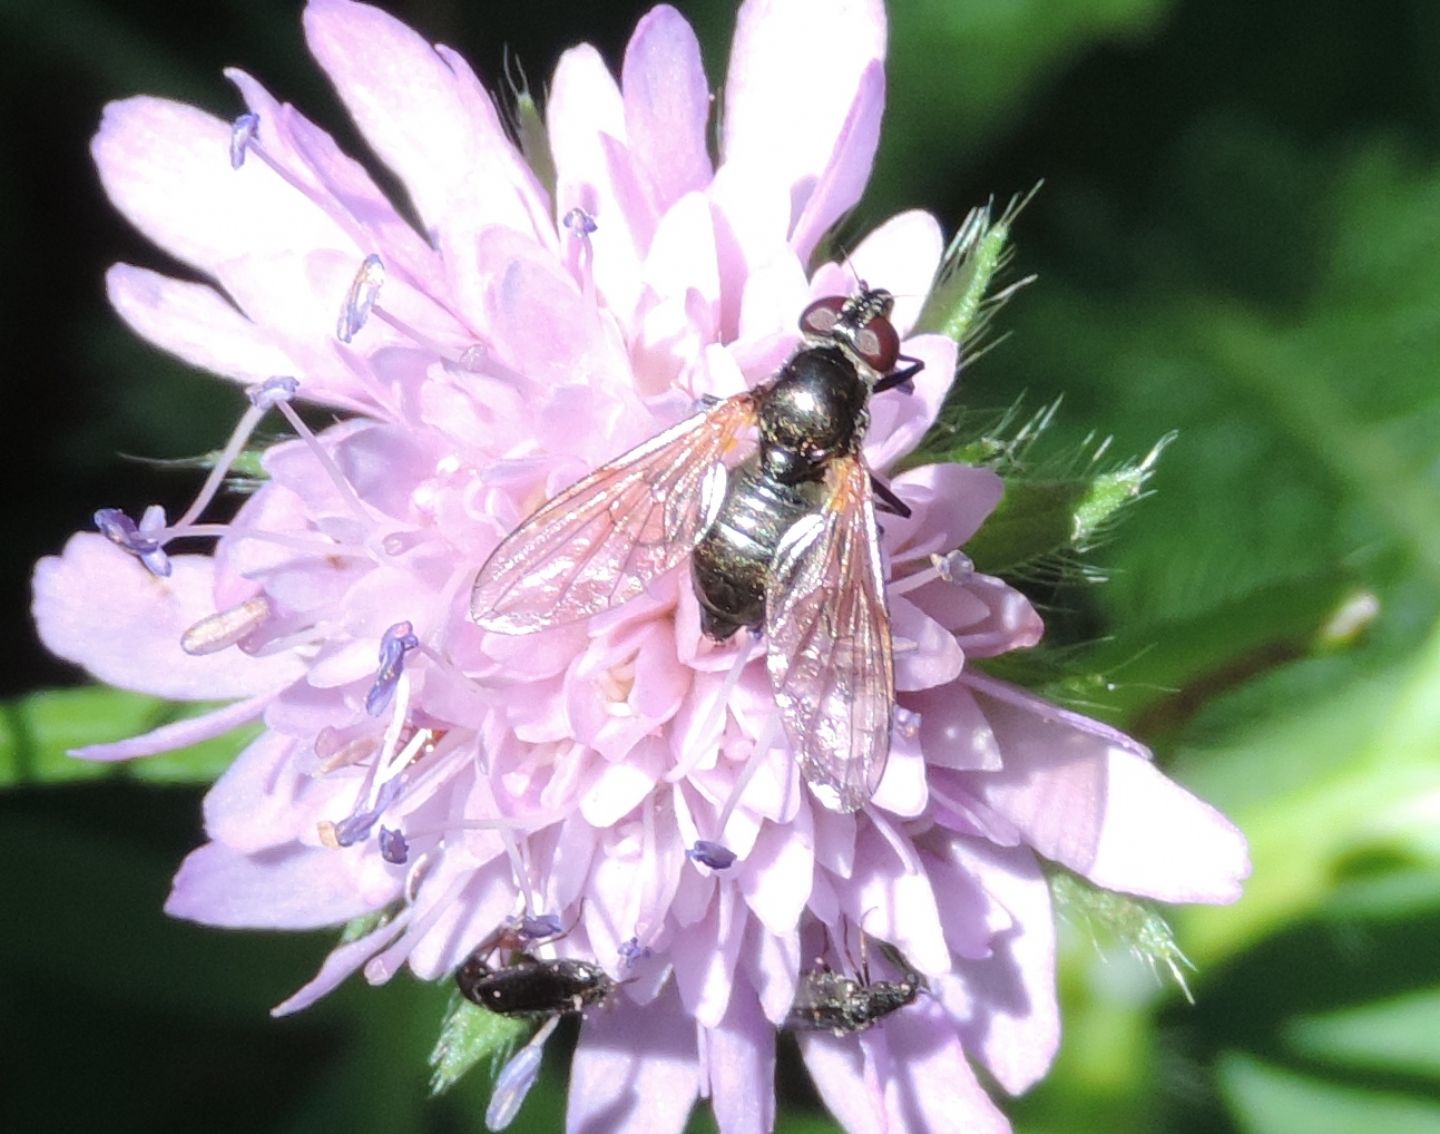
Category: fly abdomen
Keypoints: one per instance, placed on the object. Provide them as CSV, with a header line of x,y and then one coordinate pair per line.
x,y
731,563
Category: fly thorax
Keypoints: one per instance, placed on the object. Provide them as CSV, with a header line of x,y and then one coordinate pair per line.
x,y
815,410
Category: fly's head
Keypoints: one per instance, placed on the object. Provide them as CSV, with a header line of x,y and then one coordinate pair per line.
x,y
859,325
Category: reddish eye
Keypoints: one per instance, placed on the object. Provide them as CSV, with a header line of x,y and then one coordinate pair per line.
x,y
820,317
878,344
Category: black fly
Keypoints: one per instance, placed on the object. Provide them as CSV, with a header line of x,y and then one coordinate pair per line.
x,y
827,1001
786,540
528,988
533,987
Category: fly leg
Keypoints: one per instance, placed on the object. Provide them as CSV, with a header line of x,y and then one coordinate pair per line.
x,y
889,502
901,378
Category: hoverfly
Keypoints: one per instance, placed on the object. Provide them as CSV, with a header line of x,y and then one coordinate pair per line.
x,y
785,540
827,1001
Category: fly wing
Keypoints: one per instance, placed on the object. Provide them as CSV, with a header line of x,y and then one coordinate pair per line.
x,y
604,539
830,655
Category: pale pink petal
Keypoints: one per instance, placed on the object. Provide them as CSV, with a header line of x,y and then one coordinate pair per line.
x,y
970,918
525,296
926,655
953,731
427,117
667,105
854,1097
949,502
933,1087
340,184
705,970
298,293
776,292
795,74
892,900
194,322
843,178
290,887
178,734
341,962
752,222
1101,808
586,121
635,1069
624,783
145,617
741,1067
834,841
772,965
777,873
1013,1024
682,259
1011,623
166,167
252,806
904,789
995,690
471,895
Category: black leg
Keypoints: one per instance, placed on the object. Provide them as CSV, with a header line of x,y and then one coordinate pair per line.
x,y
889,502
901,377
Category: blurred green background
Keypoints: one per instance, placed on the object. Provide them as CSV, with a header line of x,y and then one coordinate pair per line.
x,y
1238,239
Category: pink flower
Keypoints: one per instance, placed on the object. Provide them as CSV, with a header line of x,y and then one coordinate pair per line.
x,y
414,764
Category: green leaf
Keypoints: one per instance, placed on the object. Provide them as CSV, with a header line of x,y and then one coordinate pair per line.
x,y
1396,1035
1277,1100
961,72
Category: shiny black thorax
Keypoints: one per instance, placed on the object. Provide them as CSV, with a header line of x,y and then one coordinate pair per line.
x,y
812,412
533,987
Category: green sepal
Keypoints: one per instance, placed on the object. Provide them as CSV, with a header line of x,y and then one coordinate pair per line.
x,y
38,731
533,137
1042,518
244,474
1117,919
468,1035
362,926
963,301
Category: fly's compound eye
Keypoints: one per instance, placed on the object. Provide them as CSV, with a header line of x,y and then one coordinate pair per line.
x,y
822,315
877,344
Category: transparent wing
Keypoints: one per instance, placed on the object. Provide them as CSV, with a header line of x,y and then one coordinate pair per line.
x,y
829,655
604,539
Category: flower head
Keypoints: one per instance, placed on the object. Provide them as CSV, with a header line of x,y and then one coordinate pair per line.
x,y
622,777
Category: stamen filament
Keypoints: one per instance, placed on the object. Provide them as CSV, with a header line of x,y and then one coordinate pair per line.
x,y
238,437
337,478
715,720
762,746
